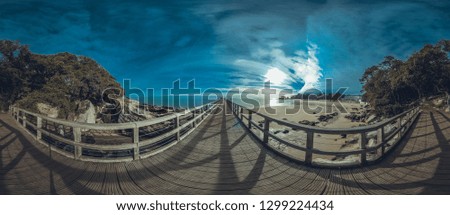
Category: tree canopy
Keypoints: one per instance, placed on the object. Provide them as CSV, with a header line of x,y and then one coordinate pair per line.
x,y
394,85
59,80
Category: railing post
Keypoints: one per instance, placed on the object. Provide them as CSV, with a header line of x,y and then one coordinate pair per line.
x,y
24,120
77,139
194,123
381,140
249,119
39,127
17,115
177,126
266,130
202,112
309,147
363,146
242,113
136,143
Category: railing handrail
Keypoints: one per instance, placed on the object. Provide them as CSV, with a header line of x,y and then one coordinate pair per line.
x,y
114,126
355,130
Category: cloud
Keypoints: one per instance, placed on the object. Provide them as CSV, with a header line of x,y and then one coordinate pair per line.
x,y
301,69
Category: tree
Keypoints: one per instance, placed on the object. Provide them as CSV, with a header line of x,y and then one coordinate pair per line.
x,y
393,85
60,80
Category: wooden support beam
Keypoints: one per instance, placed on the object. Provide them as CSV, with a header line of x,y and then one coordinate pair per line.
x,y
363,146
38,128
136,143
77,139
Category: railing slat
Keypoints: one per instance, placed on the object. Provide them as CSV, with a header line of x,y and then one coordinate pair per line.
x,y
362,146
249,119
382,140
309,146
177,126
24,120
266,130
136,143
77,139
38,128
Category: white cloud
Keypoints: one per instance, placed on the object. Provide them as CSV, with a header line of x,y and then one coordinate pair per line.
x,y
284,70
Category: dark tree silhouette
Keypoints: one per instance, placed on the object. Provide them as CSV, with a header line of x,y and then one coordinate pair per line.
x,y
394,85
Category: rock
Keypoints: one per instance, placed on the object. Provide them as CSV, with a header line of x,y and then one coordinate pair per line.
x,y
370,118
47,110
87,113
371,143
353,140
357,116
438,102
325,118
447,110
389,128
285,131
60,130
132,117
373,134
306,122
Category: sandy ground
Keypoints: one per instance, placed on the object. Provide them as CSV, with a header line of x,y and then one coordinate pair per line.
x,y
311,111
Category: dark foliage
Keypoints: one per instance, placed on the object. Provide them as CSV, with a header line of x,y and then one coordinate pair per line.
x,y
60,80
394,85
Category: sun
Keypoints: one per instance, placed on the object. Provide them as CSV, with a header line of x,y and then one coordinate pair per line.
x,y
275,76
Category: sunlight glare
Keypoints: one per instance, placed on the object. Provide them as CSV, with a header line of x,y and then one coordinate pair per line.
x,y
275,76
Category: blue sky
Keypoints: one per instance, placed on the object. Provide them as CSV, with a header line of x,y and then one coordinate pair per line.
x,y
227,44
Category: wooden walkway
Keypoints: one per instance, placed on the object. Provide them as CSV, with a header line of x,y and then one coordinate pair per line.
x,y
220,157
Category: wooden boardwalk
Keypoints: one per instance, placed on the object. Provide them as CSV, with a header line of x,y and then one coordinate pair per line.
x,y
220,157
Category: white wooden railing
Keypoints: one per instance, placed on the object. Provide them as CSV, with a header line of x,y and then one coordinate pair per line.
x,y
122,142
